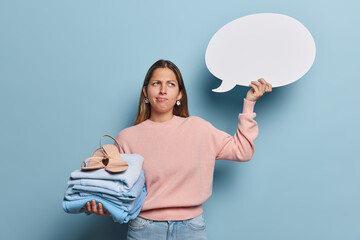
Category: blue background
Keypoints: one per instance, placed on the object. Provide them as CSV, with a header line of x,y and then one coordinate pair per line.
x,y
72,71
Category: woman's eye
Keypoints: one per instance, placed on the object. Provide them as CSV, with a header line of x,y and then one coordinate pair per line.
x,y
155,83
172,84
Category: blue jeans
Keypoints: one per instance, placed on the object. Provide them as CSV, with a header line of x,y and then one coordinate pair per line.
x,y
190,229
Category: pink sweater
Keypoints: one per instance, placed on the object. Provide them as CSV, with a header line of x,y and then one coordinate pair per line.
x,y
179,158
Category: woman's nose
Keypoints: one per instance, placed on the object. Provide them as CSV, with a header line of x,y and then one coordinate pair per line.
x,y
163,89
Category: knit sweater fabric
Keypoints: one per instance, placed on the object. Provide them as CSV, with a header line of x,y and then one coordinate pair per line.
x,y
179,159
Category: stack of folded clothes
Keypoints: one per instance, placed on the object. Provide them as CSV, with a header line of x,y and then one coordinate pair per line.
x,y
122,194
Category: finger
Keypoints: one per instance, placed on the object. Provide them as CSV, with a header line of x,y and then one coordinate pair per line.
x,y
101,209
260,87
93,206
263,85
256,83
258,90
254,90
88,206
262,81
268,86
255,87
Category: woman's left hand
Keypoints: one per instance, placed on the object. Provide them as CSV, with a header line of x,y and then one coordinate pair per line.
x,y
258,89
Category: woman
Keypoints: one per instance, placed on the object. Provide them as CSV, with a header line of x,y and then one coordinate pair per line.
x,y
179,154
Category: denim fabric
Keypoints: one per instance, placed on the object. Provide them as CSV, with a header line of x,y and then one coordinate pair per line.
x,y
128,177
118,213
190,229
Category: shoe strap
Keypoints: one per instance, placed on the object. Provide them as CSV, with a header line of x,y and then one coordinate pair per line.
x,y
105,135
95,159
96,151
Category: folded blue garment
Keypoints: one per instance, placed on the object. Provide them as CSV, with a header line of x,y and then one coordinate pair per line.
x,y
123,200
73,195
124,194
128,177
114,185
119,214
82,190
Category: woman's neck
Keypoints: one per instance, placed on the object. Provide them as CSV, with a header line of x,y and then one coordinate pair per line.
x,y
161,117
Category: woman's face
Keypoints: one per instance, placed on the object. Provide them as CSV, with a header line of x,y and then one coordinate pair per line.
x,y
163,91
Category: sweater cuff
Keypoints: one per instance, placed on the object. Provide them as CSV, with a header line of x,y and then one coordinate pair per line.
x,y
248,106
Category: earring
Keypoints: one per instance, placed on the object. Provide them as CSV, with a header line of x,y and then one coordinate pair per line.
x,y
178,102
146,100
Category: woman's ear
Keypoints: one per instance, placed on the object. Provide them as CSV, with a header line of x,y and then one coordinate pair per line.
x,y
144,91
179,95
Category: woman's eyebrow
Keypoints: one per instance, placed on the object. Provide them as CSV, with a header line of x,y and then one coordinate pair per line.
x,y
165,80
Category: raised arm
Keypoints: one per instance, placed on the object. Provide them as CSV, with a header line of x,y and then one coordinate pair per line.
x,y
239,147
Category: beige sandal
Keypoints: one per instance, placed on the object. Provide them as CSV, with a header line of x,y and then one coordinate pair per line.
x,y
109,158
92,163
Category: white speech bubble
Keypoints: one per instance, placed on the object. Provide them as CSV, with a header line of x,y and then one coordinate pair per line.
x,y
272,46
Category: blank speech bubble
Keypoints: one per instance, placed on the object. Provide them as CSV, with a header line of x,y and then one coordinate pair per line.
x,y
272,46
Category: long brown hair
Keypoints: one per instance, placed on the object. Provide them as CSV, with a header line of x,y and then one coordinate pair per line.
x,y
144,109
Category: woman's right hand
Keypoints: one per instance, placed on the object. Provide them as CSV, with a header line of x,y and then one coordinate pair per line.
x,y
96,210
258,89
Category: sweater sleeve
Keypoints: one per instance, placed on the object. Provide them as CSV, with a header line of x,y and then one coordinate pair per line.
x,y
239,147
120,139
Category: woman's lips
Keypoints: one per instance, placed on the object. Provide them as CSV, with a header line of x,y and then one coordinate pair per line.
x,y
161,99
